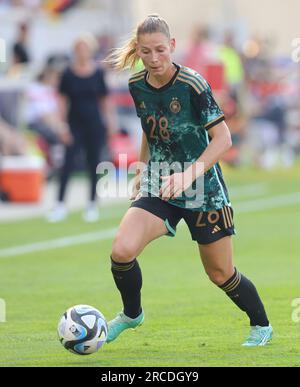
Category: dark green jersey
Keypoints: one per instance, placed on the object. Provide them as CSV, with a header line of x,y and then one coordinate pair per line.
x,y
175,119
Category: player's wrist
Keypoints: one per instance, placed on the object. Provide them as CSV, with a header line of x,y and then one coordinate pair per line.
x,y
194,171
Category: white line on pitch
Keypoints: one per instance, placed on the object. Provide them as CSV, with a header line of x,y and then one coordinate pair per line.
x,y
248,190
240,207
57,243
268,202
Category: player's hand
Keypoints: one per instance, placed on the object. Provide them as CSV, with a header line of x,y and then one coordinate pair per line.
x,y
174,185
135,194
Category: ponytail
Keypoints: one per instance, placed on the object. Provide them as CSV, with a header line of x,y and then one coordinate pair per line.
x,y
124,57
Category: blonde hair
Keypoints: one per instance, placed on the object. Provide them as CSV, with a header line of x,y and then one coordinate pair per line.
x,y
87,38
126,56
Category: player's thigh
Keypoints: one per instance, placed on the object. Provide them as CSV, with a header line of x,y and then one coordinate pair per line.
x,y
217,259
137,228
212,230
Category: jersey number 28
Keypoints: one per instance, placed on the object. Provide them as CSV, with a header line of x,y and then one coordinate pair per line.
x,y
161,131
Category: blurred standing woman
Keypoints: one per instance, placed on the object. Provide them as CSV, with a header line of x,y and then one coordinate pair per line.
x,y
86,108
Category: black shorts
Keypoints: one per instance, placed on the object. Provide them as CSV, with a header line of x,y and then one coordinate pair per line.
x,y
205,227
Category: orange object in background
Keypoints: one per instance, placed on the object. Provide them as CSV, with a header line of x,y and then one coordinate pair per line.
x,y
58,6
21,178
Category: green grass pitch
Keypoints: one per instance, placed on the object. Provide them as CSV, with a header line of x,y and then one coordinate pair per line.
x,y
189,321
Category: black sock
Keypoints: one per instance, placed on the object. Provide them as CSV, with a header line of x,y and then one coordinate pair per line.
x,y
128,278
244,294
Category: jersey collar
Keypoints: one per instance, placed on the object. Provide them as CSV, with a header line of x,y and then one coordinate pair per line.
x,y
167,85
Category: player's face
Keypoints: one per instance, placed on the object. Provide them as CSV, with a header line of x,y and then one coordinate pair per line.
x,y
155,51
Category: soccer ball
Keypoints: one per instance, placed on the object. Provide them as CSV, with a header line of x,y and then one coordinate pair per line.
x,y
82,329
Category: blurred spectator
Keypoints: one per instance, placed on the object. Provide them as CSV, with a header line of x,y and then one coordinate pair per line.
x,y
20,54
11,142
20,51
256,57
201,50
43,114
10,104
237,124
202,56
105,44
86,107
267,133
234,71
232,96
58,61
33,4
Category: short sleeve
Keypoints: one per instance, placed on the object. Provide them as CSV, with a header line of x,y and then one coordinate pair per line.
x,y
102,89
63,84
207,109
138,112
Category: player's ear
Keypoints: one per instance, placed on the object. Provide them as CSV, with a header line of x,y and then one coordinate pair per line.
x,y
172,44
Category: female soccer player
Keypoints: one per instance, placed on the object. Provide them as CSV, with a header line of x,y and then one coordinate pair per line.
x,y
181,124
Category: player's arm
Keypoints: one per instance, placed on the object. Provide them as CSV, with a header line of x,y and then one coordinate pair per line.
x,y
142,162
177,183
211,119
219,144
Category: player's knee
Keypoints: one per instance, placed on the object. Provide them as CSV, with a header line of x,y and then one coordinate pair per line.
x,y
122,252
218,276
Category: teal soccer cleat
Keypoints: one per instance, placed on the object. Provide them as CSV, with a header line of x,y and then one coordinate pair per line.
x,y
122,322
259,336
